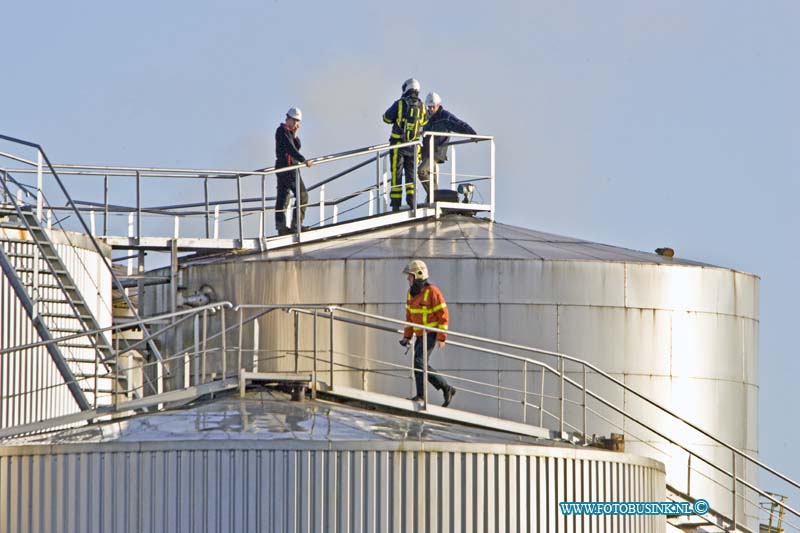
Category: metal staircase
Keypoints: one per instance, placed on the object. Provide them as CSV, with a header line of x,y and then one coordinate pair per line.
x,y
55,304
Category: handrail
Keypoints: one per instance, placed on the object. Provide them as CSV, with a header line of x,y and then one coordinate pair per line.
x,y
132,324
89,234
46,203
565,357
588,366
368,320
233,174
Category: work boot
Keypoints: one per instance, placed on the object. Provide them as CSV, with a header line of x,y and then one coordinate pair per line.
x,y
411,201
293,229
448,396
284,231
395,208
417,398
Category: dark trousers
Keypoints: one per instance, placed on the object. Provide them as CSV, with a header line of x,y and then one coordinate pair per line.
x,y
403,162
286,184
423,173
419,364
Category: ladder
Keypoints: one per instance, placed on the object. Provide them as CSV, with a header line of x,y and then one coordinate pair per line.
x,y
57,308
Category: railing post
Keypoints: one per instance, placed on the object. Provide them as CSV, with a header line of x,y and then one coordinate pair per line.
x,y
314,364
205,347
385,175
689,475
196,339
371,202
335,217
138,208
424,340
453,167
49,219
241,327
331,355
131,237
541,400
561,369
241,217
431,169
216,222
263,206
733,507
297,219
105,204
224,344
524,392
296,341
491,180
416,148
92,225
583,402
205,201
39,180
378,181
322,206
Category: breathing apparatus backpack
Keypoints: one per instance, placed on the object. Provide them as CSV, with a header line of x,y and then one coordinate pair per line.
x,y
410,113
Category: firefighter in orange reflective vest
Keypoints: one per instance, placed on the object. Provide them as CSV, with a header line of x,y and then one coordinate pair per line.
x,y
425,305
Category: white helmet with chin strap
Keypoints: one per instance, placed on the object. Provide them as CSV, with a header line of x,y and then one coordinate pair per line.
x,y
295,113
417,268
410,84
433,99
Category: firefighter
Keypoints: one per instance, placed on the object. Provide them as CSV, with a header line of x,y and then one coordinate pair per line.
x,y
407,117
287,153
439,119
425,305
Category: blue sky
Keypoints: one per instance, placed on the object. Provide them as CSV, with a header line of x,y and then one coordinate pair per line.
x,y
638,124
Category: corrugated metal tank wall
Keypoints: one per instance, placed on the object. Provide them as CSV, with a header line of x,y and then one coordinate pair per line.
x,y
33,369
242,486
683,333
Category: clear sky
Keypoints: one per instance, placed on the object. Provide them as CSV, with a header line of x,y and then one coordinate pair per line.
x,y
639,124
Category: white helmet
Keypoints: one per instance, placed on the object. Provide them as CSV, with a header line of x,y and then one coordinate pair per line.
x,y
433,99
410,83
417,268
295,113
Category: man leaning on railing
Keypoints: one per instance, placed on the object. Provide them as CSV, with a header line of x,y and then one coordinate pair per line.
x,y
440,120
287,153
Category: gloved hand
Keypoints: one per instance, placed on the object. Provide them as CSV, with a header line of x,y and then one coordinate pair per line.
x,y
404,341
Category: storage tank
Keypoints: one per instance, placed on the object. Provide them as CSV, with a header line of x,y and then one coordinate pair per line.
x,y
682,332
31,388
265,464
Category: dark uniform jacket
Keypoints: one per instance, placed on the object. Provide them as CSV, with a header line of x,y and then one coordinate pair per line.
x,y
407,116
287,148
443,120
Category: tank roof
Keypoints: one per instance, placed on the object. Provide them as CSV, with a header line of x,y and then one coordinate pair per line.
x,y
455,237
269,416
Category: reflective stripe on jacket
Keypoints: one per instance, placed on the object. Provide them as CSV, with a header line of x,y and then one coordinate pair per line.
x,y
407,116
427,308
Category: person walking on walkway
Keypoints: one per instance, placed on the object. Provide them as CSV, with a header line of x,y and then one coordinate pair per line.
x,y
287,153
425,306
407,117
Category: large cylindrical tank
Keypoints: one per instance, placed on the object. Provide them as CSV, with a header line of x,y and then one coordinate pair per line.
x,y
265,464
681,332
31,388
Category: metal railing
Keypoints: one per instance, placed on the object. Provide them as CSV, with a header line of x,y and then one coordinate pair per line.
x,y
562,387
561,399
371,194
43,160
